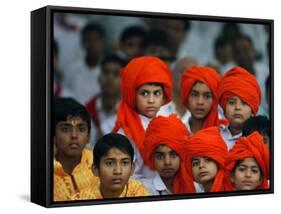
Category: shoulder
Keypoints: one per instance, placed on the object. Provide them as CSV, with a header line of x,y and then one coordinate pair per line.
x,y
136,188
90,192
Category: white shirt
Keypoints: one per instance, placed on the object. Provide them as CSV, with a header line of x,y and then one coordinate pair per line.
x,y
82,80
156,185
167,109
198,187
228,138
141,170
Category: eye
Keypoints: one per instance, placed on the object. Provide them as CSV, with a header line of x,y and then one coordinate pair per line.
x,y
109,163
195,163
241,169
82,129
144,93
173,155
244,103
126,162
65,129
193,94
157,93
255,171
208,96
159,156
230,102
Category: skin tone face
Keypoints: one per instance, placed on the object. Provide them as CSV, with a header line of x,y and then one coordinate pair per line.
x,y
93,43
247,175
237,112
149,99
71,137
200,100
114,171
133,47
243,52
166,162
204,171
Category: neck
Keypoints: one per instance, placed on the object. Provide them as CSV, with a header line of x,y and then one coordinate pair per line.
x,y
169,183
109,101
234,131
195,124
92,60
180,108
106,193
208,185
68,162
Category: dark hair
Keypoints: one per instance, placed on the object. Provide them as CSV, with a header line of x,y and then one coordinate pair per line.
x,y
159,37
244,37
92,27
55,48
222,41
109,141
258,123
133,31
114,58
68,107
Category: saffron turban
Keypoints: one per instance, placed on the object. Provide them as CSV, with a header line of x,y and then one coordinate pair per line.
x,y
251,146
209,77
208,143
239,82
139,71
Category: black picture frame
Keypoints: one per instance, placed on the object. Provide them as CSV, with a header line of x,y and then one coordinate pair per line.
x,y
42,100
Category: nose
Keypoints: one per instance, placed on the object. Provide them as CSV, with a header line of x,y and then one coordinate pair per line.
x,y
118,169
238,105
201,164
151,98
167,160
200,100
74,133
248,173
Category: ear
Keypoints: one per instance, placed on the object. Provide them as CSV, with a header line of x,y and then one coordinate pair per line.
x,y
261,179
95,170
132,168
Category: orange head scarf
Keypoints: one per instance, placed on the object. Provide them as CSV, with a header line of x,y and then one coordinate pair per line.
x,y
139,71
246,147
239,82
172,132
208,143
209,77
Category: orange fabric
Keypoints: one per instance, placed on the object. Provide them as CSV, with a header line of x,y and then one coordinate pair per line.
x,y
208,143
239,82
246,147
209,77
173,133
139,71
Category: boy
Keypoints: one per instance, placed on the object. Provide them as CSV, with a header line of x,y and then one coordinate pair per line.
x,y
165,154
206,153
146,85
199,95
247,165
240,97
113,164
72,162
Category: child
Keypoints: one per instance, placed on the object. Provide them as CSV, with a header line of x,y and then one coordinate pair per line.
x,y
165,154
240,97
260,124
113,164
72,162
206,153
199,95
247,165
146,84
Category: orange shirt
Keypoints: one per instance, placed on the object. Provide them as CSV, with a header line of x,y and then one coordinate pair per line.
x,y
134,188
66,185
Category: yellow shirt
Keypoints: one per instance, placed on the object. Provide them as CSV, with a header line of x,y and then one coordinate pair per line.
x,y
134,188
66,185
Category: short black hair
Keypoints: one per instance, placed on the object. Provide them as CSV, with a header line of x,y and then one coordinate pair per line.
x,y
159,37
133,31
92,27
109,141
68,107
258,123
222,41
114,58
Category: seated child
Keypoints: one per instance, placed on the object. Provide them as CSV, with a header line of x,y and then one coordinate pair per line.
x,y
113,164
240,97
146,85
72,162
260,124
247,164
206,153
199,95
164,147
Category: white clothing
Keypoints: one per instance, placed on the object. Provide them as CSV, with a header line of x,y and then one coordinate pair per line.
x,y
156,185
228,138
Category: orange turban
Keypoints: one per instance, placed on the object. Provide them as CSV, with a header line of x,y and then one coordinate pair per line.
x,y
208,143
209,77
172,132
139,71
239,82
246,147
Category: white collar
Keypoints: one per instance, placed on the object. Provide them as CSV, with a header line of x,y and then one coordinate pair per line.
x,y
144,121
159,184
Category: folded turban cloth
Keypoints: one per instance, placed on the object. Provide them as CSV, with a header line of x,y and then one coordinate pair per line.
x,y
251,146
139,71
239,82
209,77
208,143
169,131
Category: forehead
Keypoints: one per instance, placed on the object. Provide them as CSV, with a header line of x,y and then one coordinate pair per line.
x,y
115,153
250,162
72,120
164,149
201,87
236,98
150,87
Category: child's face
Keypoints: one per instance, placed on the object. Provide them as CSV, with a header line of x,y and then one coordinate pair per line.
x,y
237,112
133,47
166,161
149,99
200,100
247,175
204,169
71,136
114,171
109,79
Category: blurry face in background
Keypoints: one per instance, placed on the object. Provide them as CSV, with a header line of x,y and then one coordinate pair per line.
x,y
176,30
110,78
161,52
93,43
133,47
224,53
